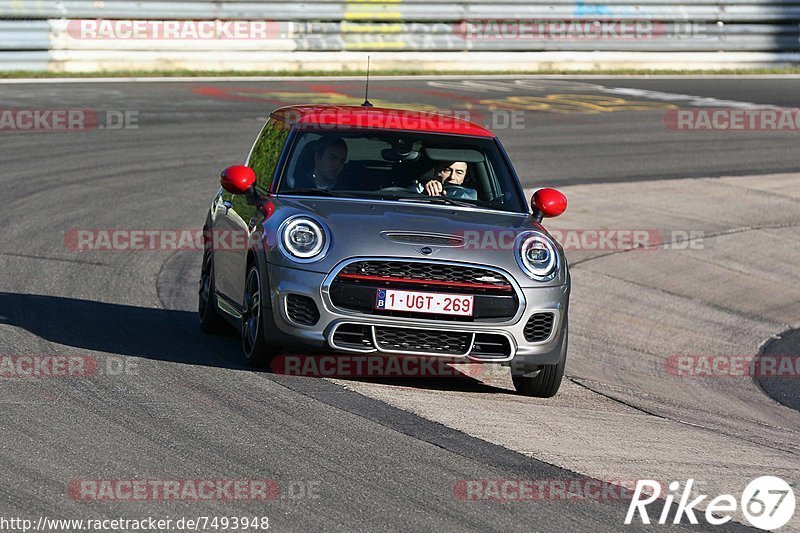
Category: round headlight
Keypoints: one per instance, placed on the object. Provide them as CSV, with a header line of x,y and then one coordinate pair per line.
x,y
537,256
303,239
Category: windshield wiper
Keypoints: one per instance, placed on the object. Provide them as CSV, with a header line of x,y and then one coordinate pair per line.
x,y
313,192
443,200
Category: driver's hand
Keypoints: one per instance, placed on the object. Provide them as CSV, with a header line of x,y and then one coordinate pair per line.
x,y
434,188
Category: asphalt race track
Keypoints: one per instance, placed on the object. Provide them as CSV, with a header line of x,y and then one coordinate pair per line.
x,y
164,402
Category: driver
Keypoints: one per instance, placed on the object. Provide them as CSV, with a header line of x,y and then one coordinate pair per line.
x,y
449,173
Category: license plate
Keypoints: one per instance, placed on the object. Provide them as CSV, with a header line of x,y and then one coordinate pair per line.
x,y
424,302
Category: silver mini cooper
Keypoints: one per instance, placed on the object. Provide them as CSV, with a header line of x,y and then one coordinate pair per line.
x,y
359,230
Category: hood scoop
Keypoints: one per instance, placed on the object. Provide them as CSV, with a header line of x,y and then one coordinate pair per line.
x,y
424,239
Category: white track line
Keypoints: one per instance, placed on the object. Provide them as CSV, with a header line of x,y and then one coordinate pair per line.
x,y
209,79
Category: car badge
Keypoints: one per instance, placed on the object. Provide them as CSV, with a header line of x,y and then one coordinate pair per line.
x,y
427,250
488,279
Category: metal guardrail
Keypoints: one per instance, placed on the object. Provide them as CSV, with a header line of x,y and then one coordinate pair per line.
x,y
444,37
25,61
24,35
432,26
409,10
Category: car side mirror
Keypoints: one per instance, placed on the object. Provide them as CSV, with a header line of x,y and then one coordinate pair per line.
x,y
237,179
547,203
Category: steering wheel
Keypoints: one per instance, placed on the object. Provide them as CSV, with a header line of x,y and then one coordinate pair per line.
x,y
459,192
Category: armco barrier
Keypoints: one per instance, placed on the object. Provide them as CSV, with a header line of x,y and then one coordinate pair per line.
x,y
406,10
402,35
25,61
24,35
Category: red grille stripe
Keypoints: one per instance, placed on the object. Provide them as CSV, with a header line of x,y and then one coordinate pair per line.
x,y
367,277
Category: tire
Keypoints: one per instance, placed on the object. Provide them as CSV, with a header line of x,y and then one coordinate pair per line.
x,y
210,320
257,351
547,382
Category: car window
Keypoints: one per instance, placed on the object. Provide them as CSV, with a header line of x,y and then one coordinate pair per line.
x,y
266,152
397,165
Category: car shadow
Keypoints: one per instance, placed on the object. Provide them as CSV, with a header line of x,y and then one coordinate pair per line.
x,y
163,335
151,333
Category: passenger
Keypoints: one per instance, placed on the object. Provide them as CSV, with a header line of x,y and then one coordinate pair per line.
x,y
329,159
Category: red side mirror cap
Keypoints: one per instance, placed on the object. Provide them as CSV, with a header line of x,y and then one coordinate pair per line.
x,y
548,203
237,179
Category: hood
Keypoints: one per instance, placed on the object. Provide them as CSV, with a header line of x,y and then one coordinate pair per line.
x,y
370,229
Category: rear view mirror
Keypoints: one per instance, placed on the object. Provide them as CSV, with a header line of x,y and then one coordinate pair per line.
x,y
237,179
547,203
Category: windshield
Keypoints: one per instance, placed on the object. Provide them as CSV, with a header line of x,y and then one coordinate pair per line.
x,y
402,166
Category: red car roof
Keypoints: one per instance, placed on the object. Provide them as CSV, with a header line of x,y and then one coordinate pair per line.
x,y
378,118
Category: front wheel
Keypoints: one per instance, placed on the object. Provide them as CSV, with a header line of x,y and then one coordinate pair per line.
x,y
546,383
256,350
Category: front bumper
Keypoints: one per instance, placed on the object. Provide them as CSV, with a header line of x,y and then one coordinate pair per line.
x,y
285,281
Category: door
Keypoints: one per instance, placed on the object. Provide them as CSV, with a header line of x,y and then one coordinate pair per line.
x,y
237,218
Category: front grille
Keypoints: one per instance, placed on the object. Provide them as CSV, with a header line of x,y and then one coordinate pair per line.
x,y
425,239
539,327
302,310
355,288
413,271
422,340
491,346
353,336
